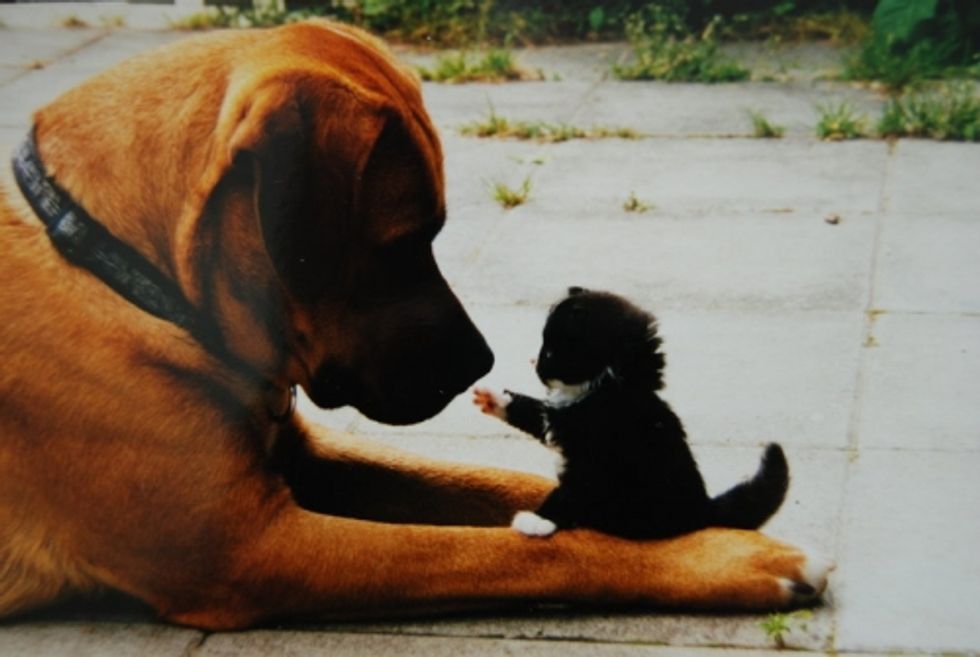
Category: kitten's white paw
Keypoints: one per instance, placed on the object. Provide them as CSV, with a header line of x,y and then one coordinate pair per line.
x,y
531,524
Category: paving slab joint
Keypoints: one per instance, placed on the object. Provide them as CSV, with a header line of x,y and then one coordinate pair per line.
x,y
195,645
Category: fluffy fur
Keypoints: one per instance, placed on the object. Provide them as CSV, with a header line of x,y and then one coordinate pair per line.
x,y
628,469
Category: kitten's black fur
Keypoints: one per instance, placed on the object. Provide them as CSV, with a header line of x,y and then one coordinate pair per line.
x,y
628,469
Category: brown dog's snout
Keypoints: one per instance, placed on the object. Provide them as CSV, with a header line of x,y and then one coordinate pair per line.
x,y
469,358
408,370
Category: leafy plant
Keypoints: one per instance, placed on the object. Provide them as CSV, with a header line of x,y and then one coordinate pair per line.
x,y
950,113
509,198
634,204
916,39
112,22
501,128
73,22
662,50
444,22
777,625
836,25
840,121
224,17
495,65
763,128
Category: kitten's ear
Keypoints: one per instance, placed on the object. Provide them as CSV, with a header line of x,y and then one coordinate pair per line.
x,y
575,291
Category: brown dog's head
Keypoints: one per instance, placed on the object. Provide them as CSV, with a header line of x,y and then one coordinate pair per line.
x,y
292,183
336,163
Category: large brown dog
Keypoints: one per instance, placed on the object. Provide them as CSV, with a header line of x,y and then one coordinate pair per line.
x,y
290,182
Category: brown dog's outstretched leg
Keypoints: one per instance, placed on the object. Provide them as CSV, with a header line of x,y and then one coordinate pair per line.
x,y
287,561
302,564
339,474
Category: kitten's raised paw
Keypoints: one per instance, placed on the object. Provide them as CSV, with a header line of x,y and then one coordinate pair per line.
x,y
531,524
490,403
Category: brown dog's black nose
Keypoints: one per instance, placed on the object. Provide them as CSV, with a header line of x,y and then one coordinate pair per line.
x,y
477,363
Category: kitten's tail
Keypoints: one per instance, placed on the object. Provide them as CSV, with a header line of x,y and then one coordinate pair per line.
x,y
751,503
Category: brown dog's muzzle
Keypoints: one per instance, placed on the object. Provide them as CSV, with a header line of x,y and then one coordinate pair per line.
x,y
413,358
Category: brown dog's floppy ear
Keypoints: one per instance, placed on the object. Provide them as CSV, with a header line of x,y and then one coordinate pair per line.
x,y
271,163
307,146
228,248
286,160
254,130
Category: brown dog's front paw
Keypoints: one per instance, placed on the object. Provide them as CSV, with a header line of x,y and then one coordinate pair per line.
x,y
806,585
742,569
490,403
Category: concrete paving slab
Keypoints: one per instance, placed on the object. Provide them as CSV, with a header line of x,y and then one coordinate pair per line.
x,y
113,14
458,245
617,629
745,262
10,137
922,384
584,63
929,262
96,639
118,45
715,175
354,644
788,62
593,179
26,93
22,52
908,576
9,73
590,62
932,178
474,166
27,48
661,108
746,378
453,105
22,96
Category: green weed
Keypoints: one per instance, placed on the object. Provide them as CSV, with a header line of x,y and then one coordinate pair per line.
x,y
495,65
777,625
113,22
508,197
836,26
662,50
912,40
73,22
225,17
465,23
876,60
840,121
202,20
762,128
499,127
950,113
634,204
443,22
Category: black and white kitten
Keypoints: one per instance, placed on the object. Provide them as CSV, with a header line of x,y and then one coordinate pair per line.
x,y
628,470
